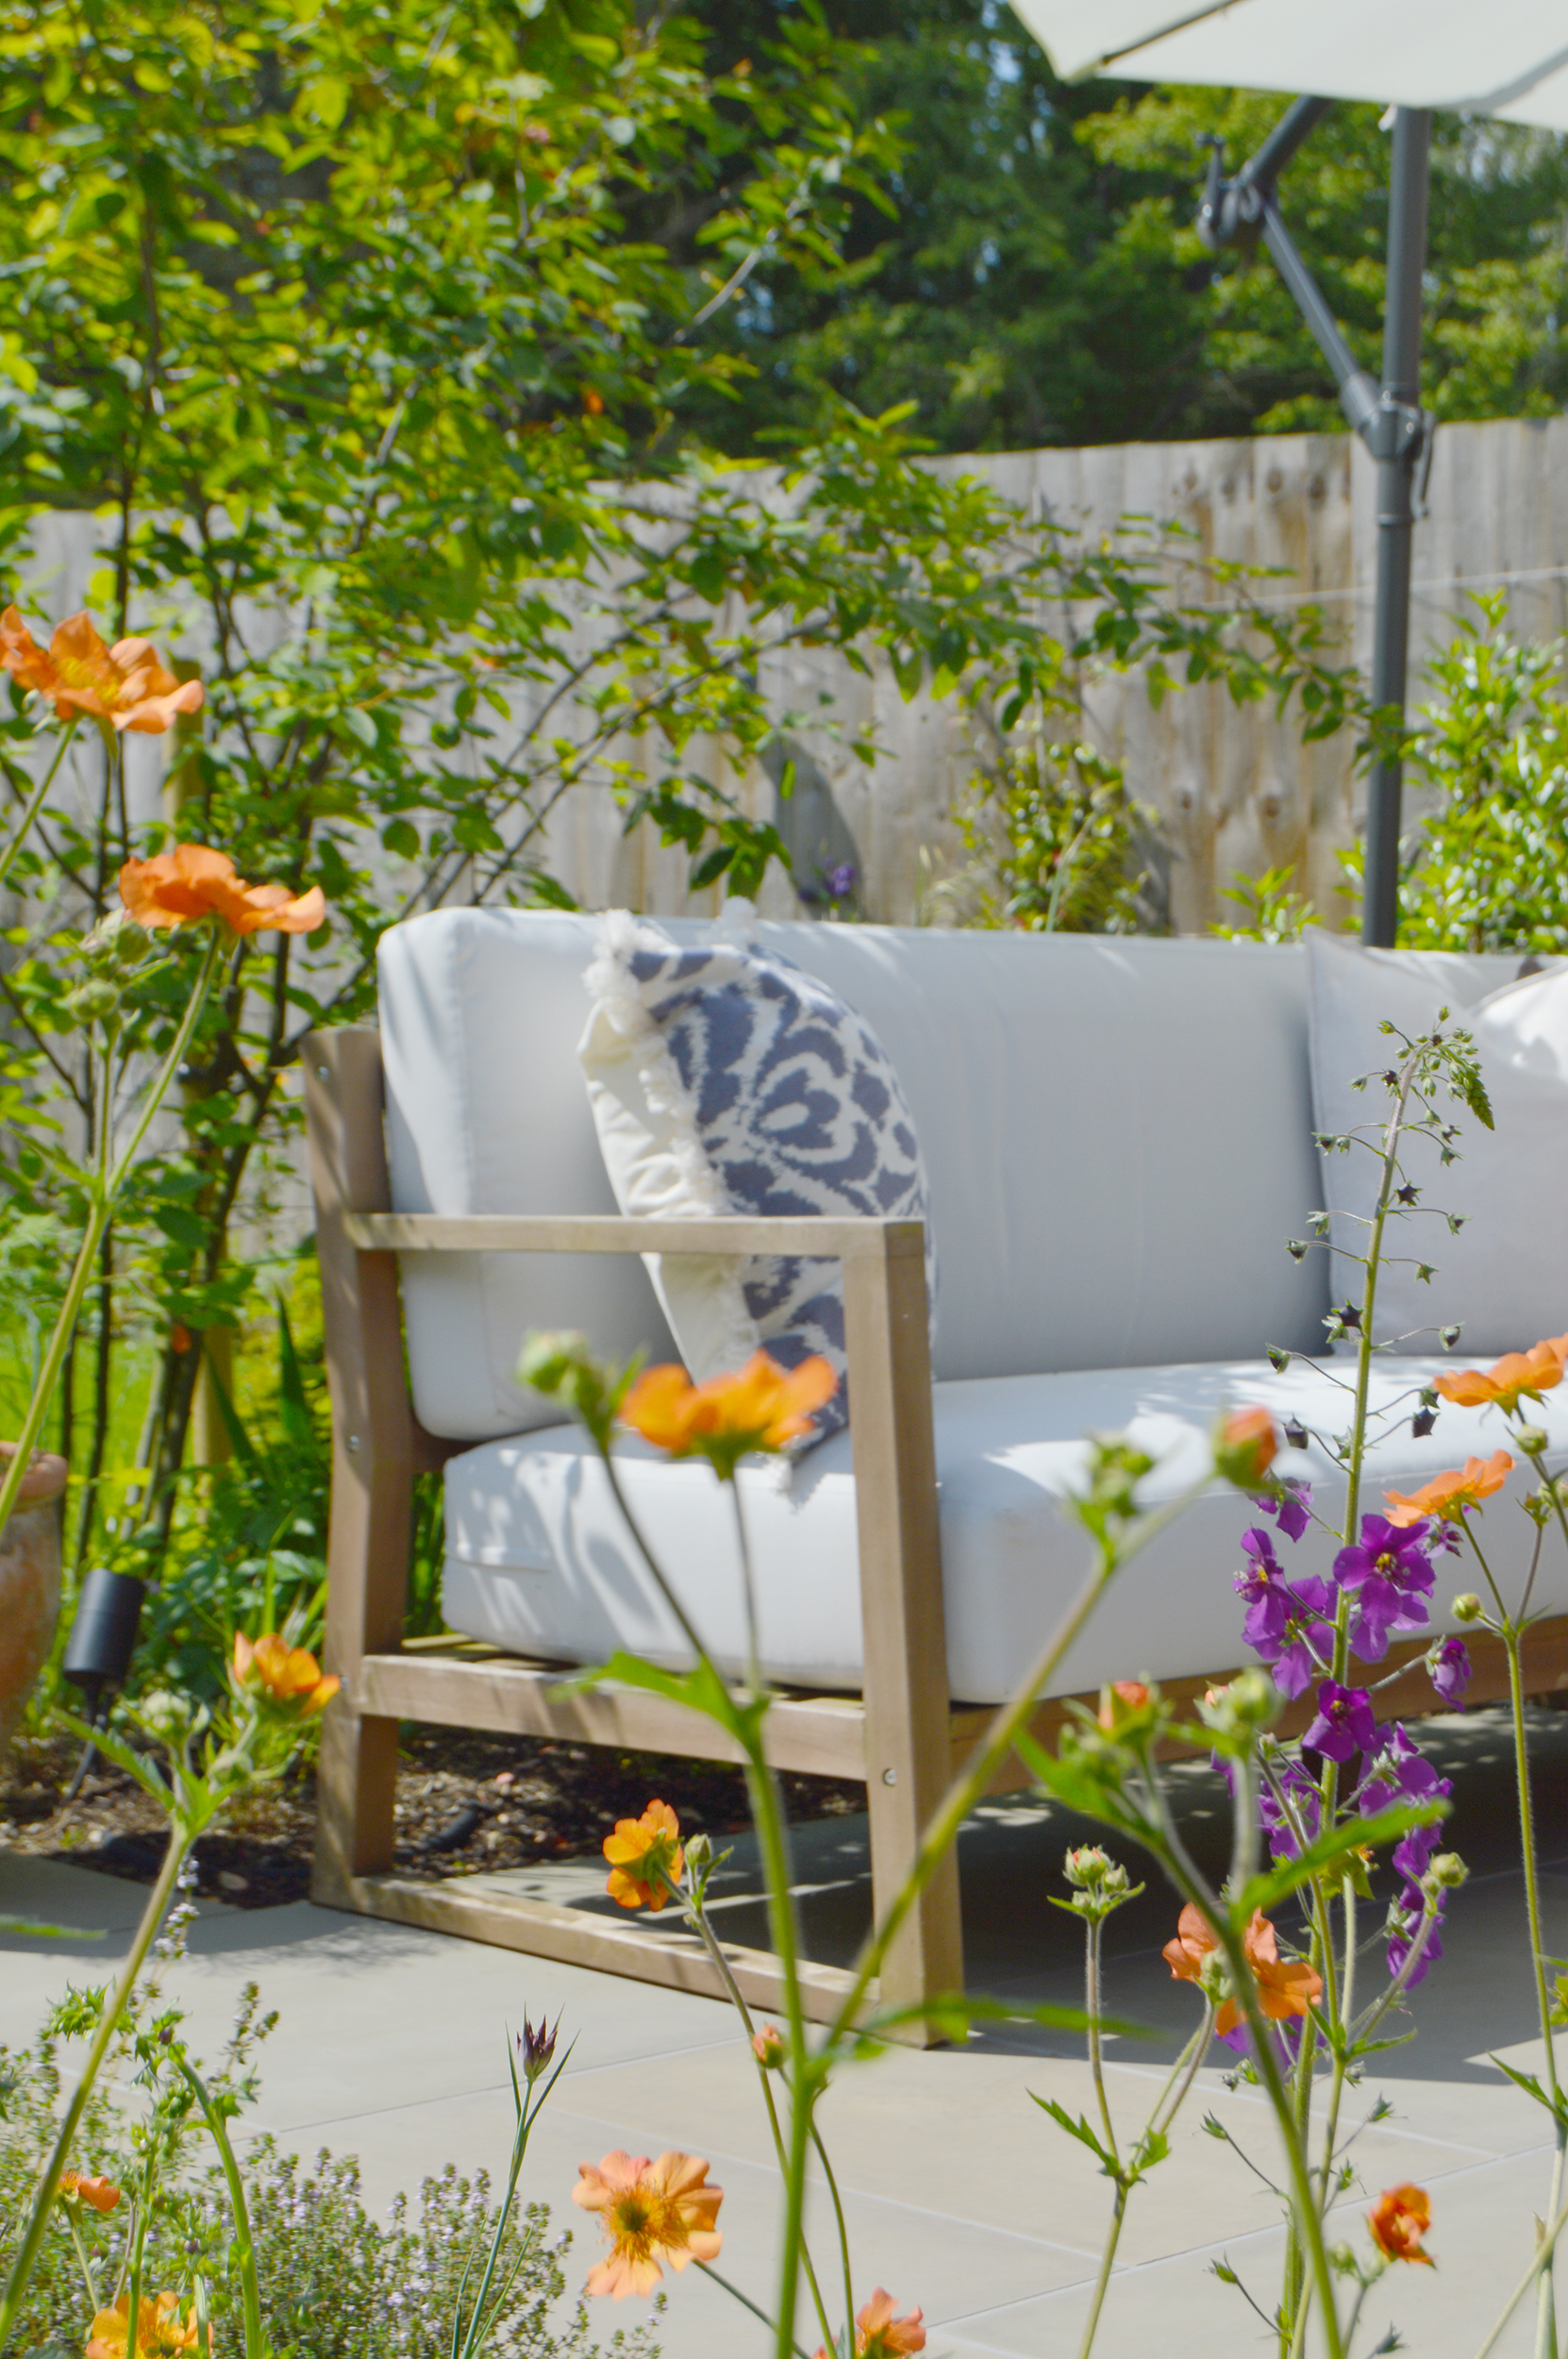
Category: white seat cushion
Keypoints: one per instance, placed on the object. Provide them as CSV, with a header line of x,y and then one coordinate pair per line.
x,y
540,1561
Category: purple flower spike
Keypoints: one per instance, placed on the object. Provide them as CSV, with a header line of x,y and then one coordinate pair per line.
x,y
1385,1551
1404,1924
1302,1806
1450,1670
1291,1510
1401,1773
1345,1724
1389,1572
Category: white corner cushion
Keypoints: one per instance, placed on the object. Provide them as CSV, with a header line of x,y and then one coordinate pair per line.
x,y
1504,1278
539,1561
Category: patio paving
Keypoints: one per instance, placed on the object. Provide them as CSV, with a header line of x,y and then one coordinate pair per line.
x,y
960,2194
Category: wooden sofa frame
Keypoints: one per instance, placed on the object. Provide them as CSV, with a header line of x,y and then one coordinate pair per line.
x,y
902,1736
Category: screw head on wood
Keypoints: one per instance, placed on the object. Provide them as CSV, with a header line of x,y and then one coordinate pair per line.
x,y
890,1777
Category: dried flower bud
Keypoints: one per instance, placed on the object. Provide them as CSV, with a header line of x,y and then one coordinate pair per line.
x,y
537,2045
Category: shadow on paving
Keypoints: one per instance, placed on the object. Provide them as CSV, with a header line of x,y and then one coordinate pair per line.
x,y
1019,1948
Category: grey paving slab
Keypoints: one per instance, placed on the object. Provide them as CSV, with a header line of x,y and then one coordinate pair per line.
x,y
961,2195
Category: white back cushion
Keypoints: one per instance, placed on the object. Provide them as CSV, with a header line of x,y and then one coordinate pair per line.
x,y
1504,1278
1117,1135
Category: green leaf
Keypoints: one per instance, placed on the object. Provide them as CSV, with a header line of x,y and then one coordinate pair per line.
x,y
1080,2130
34,1926
1556,2107
699,1690
1334,1845
953,2013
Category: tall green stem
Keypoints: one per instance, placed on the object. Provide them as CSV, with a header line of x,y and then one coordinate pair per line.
x,y
35,804
107,1183
244,2242
49,2178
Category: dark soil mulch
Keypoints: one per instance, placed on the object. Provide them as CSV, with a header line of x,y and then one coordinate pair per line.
x,y
465,1804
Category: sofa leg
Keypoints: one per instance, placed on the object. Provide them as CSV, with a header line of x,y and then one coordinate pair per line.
x,y
356,1792
926,1956
908,1735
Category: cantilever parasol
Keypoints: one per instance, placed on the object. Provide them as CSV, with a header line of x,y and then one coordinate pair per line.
x,y
1509,59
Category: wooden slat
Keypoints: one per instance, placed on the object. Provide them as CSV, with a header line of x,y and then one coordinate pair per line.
x,y
903,1627
819,1736
1408,1697
616,1233
373,1450
477,1912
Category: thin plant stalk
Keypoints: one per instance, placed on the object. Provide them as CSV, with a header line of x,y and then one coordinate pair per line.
x,y
35,803
107,1182
244,2241
49,2178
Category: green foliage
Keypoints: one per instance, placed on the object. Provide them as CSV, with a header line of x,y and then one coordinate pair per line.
x,y
1041,281
1489,868
335,2284
1059,845
1272,910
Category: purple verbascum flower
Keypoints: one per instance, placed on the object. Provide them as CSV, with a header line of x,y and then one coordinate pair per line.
x,y
1284,1618
1448,1668
1402,1773
1292,1508
1389,1572
1345,1724
1404,1925
1296,1805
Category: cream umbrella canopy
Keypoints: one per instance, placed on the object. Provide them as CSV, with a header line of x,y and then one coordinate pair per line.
x,y
1508,58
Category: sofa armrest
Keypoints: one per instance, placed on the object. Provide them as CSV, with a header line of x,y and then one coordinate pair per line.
x,y
618,1232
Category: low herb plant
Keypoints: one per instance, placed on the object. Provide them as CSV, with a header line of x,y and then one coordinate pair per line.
x,y
1279,1954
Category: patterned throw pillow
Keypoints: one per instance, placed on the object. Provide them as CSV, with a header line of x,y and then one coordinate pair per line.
x,y
723,1079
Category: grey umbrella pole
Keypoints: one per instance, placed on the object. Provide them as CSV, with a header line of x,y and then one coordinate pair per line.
x,y
1386,416
1395,439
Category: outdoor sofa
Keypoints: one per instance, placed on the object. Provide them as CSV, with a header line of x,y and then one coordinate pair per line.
x,y
1118,1137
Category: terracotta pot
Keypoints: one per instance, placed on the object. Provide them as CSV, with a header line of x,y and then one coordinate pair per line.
x,y
29,1584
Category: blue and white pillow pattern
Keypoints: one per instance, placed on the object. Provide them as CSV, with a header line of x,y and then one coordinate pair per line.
x,y
725,1080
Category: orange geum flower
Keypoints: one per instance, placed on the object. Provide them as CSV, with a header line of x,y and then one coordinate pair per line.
x,y
762,1408
289,1680
124,685
1398,2221
641,1853
880,2335
193,881
1447,1496
161,2331
652,2212
99,2194
1245,1446
1285,1988
1516,1374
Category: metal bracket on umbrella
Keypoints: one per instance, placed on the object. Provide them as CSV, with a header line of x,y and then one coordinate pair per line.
x,y
1387,415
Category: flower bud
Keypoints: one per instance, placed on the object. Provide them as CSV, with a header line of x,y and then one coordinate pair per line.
x,y
1248,1701
767,2046
1532,1439
1120,1703
1246,1444
1445,1873
699,1852
536,2044
1467,1607
93,1002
